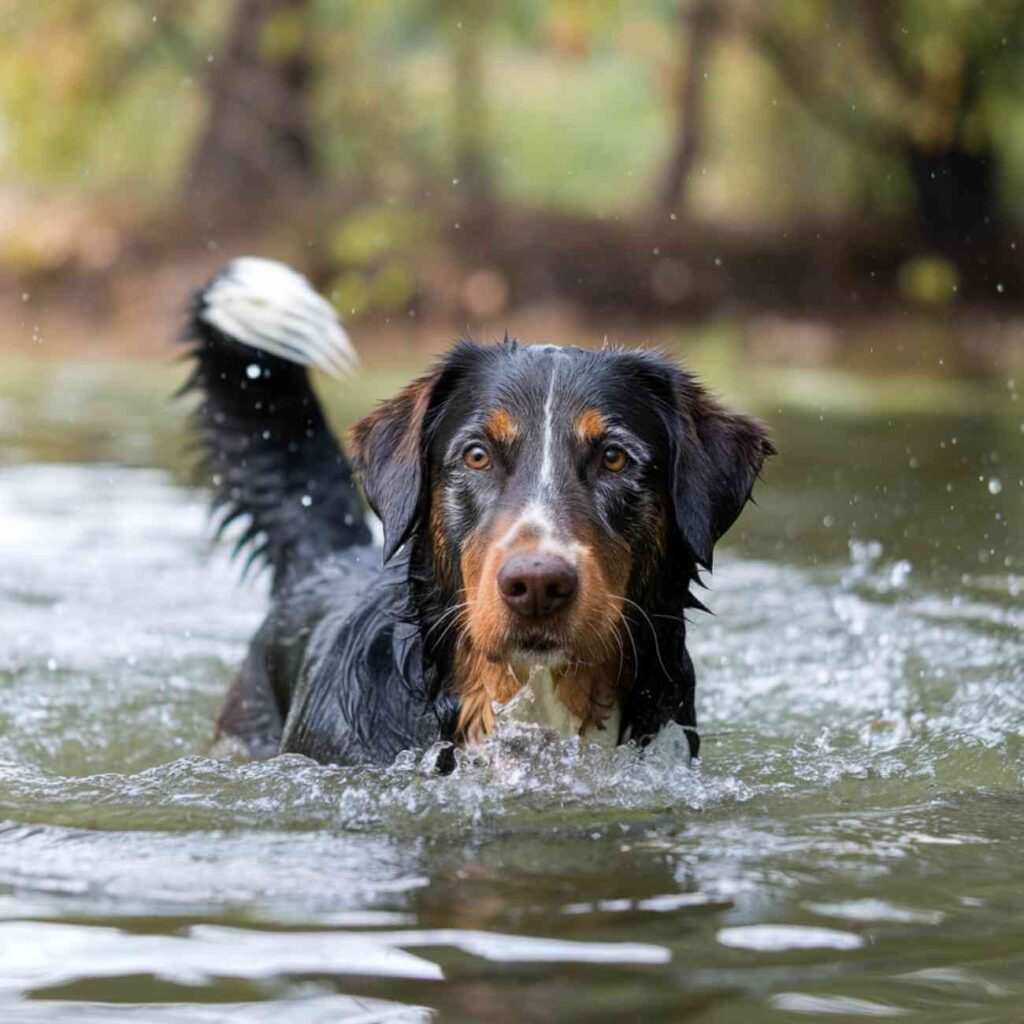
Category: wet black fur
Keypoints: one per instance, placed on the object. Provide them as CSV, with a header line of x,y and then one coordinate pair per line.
x,y
349,666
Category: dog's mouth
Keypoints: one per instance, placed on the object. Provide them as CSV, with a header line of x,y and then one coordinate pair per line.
x,y
535,647
536,642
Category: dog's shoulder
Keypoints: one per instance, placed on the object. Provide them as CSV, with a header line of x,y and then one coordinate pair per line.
x,y
363,691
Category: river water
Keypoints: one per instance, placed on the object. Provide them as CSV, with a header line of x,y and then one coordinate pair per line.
x,y
849,845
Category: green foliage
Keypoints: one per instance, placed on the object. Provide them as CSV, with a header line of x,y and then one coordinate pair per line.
x,y
810,104
374,250
929,281
100,93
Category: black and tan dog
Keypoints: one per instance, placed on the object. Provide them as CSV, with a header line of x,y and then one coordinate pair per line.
x,y
546,511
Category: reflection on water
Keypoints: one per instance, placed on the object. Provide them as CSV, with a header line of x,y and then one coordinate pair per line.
x,y
848,847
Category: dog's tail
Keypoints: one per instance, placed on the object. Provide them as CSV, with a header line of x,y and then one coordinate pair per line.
x,y
268,453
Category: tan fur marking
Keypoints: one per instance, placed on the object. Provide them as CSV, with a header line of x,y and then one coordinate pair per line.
x,y
408,406
590,425
502,426
480,683
438,540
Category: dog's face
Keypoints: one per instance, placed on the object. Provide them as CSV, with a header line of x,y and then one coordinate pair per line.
x,y
545,497
552,486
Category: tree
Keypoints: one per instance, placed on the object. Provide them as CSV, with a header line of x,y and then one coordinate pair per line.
x,y
256,141
469,129
699,22
912,78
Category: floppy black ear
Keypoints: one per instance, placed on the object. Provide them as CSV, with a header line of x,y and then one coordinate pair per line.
x,y
389,449
387,452
717,457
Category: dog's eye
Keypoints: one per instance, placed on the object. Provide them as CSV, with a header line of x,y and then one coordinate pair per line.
x,y
614,459
476,457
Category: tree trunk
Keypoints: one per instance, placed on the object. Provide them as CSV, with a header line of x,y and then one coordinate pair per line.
x,y
699,22
469,113
256,142
955,197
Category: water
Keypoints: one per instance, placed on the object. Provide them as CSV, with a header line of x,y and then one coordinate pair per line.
x,y
848,847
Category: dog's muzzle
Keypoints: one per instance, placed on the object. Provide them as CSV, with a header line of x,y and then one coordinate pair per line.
x,y
536,585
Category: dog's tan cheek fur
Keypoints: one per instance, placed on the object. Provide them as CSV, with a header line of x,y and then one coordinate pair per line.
x,y
485,614
439,539
589,686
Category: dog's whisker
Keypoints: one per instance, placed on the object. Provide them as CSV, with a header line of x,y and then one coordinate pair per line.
x,y
654,633
629,633
455,623
454,610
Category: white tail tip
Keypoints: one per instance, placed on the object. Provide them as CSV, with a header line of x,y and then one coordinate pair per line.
x,y
266,304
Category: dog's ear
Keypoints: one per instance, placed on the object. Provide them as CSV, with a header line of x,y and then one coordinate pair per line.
x,y
389,450
716,457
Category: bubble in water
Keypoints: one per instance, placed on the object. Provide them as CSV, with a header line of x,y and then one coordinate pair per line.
x,y
995,485
252,371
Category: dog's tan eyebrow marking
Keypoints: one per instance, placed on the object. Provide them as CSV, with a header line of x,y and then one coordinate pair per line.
x,y
590,425
502,426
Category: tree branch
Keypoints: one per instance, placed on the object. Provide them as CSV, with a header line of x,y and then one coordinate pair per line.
x,y
808,83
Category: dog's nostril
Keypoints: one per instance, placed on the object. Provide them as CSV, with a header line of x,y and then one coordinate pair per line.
x,y
537,585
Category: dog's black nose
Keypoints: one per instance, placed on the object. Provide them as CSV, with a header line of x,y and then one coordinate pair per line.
x,y
538,584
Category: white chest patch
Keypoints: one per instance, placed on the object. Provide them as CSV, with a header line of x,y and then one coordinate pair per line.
x,y
538,703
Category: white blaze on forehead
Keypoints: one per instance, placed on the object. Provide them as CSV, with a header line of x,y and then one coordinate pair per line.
x,y
545,462
539,512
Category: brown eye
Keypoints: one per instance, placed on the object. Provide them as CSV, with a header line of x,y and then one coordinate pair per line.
x,y
476,457
614,459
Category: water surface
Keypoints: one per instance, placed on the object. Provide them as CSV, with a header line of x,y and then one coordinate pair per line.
x,y
849,845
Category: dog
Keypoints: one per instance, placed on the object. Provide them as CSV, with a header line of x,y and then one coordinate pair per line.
x,y
546,513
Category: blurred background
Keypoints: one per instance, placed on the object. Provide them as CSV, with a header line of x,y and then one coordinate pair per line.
x,y
816,204
805,183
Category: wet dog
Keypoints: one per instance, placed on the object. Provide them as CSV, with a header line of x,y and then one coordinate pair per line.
x,y
545,514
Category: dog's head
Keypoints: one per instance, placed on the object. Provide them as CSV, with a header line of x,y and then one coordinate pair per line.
x,y
552,488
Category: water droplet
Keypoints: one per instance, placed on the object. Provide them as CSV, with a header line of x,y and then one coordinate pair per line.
x,y
995,485
51,664
252,371
900,573
306,501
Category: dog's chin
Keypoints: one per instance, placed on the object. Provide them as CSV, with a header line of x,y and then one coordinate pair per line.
x,y
523,648
527,658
